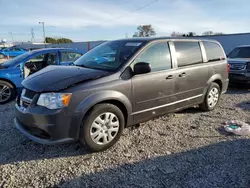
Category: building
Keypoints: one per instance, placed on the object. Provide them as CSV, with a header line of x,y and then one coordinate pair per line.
x,y
82,46
230,41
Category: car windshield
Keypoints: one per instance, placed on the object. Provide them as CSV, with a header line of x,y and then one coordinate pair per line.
x,y
241,52
16,60
109,56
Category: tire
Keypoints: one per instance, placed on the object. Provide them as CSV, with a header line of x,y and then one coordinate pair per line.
x,y
101,134
212,97
1,56
7,92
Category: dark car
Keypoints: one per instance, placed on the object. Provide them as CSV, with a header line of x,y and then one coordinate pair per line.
x,y
93,102
239,60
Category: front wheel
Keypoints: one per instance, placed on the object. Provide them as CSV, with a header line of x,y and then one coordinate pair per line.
x,y
102,127
7,92
212,97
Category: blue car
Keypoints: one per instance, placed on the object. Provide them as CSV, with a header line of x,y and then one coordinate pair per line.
x,y
11,52
14,71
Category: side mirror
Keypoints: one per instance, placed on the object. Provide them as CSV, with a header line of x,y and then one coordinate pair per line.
x,y
142,68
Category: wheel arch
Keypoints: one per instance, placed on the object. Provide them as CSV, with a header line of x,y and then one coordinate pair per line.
x,y
217,78
118,104
113,97
9,81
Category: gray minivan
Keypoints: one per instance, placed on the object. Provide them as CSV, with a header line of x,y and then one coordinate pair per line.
x,y
118,84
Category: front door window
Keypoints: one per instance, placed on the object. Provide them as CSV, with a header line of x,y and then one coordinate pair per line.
x,y
38,62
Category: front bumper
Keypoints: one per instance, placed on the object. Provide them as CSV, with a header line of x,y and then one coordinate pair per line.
x,y
239,78
45,126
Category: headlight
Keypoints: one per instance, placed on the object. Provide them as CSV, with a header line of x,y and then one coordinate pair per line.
x,y
54,100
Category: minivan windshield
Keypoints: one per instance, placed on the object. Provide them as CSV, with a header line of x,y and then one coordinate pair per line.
x,y
109,56
240,52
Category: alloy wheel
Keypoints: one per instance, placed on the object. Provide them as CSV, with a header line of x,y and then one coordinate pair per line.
x,y
5,93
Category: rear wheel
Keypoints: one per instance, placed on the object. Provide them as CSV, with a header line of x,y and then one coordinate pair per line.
x,y
102,127
7,92
212,97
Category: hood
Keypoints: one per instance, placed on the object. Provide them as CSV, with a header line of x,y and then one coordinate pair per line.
x,y
56,78
238,60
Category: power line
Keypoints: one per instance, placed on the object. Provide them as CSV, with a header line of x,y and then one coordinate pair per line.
x,y
11,34
137,9
125,2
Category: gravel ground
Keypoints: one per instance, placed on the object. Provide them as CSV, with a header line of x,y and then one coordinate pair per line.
x,y
184,149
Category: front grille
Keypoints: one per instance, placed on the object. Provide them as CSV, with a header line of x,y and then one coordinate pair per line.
x,y
29,94
26,97
237,67
25,104
248,66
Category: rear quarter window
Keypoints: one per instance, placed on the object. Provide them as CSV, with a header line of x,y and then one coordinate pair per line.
x,y
188,53
214,51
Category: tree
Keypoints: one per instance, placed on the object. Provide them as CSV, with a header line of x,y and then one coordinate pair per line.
x,y
176,34
212,33
64,40
50,40
189,34
208,33
144,31
57,41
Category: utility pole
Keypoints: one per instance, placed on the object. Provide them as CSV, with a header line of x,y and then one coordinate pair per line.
x,y
32,35
43,33
126,35
11,34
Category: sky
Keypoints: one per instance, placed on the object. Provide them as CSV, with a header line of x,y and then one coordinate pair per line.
x,y
89,20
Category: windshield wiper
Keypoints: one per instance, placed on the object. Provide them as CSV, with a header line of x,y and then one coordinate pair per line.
x,y
84,66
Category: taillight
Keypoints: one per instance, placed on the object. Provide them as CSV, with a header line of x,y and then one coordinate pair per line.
x,y
228,68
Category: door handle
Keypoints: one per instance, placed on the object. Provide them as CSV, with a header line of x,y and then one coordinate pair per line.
x,y
182,74
170,77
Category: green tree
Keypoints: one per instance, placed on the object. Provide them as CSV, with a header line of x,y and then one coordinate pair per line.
x,y
64,40
50,40
144,31
189,34
57,41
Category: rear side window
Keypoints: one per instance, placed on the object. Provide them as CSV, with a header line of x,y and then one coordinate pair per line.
x,y
213,51
188,53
